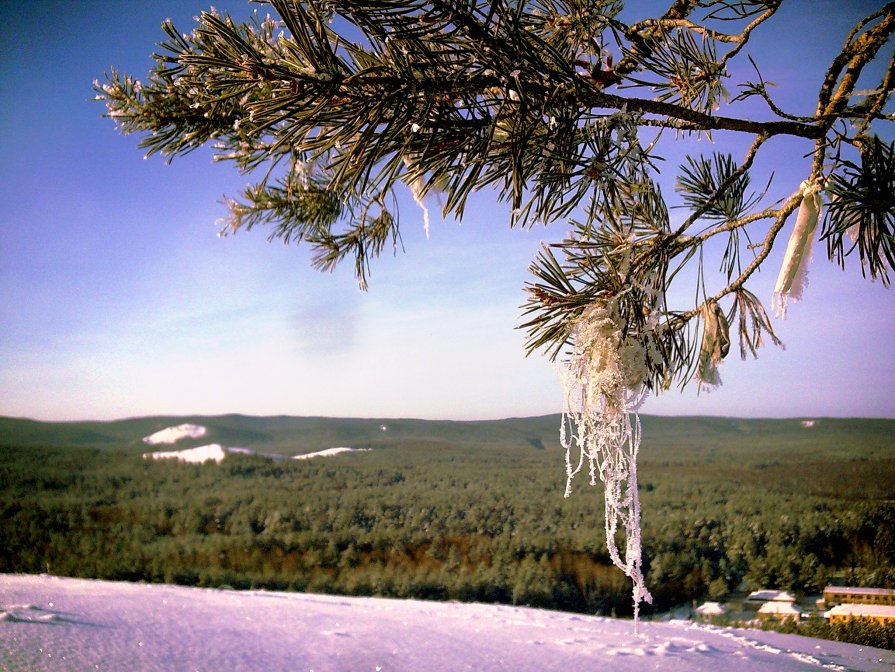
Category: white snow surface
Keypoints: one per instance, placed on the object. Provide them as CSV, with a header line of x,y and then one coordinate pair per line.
x,y
199,455
217,453
175,434
329,452
59,625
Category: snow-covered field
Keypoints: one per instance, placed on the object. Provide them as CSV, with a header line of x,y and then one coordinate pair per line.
x,y
57,624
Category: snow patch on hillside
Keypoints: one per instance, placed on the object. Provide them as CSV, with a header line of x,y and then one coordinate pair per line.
x,y
216,452
175,434
67,625
329,452
200,455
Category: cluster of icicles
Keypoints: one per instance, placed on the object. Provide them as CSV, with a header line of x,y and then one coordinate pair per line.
x,y
604,384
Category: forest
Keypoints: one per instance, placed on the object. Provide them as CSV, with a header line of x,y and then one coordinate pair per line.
x,y
453,511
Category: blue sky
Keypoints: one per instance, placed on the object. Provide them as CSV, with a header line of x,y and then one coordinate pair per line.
x,y
117,297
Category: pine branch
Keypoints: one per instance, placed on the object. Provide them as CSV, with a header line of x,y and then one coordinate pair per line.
x,y
699,120
524,99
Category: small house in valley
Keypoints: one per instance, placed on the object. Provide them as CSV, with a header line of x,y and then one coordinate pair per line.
x,y
779,610
710,610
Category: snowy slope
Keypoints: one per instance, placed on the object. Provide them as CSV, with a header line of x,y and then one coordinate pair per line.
x,y
329,452
199,455
60,625
175,434
216,452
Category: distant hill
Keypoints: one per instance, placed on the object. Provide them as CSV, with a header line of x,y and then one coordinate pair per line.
x,y
666,439
469,511
285,434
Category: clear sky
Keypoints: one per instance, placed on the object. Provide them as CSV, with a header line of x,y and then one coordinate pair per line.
x,y
117,297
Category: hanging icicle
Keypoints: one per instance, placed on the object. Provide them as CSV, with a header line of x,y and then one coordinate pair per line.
x,y
793,276
603,384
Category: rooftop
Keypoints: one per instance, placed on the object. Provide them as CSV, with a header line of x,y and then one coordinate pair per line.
x,y
771,596
778,607
863,610
859,591
711,609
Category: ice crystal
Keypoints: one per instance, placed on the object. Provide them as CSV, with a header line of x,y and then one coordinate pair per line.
x,y
603,383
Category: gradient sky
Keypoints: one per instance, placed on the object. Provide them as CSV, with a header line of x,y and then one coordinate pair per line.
x,y
117,297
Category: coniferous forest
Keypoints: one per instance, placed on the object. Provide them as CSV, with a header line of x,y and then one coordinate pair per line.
x,y
452,511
